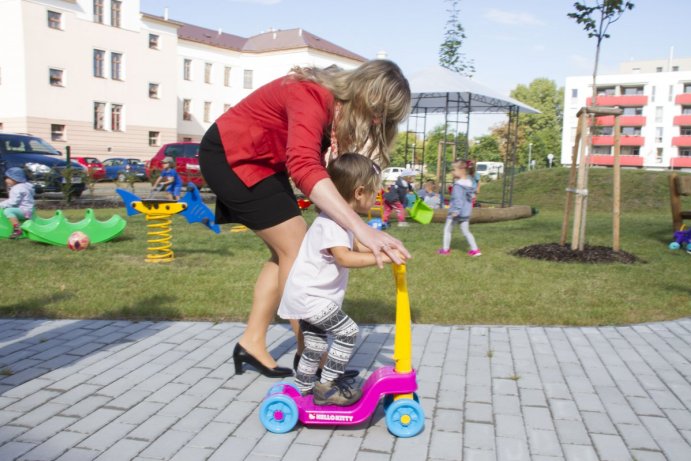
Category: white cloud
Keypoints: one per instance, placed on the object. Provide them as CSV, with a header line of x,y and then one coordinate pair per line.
x,y
511,18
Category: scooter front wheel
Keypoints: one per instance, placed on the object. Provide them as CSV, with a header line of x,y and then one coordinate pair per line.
x,y
405,418
278,413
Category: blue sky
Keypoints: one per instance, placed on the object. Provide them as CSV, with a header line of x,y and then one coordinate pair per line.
x,y
511,41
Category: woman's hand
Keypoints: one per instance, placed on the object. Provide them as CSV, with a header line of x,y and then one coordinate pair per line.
x,y
382,245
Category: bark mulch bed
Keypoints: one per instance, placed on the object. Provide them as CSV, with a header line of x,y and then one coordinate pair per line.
x,y
563,253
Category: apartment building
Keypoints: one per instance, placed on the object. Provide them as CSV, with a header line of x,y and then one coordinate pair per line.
x,y
107,80
656,122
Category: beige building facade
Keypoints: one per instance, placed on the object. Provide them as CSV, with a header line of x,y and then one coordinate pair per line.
x,y
107,80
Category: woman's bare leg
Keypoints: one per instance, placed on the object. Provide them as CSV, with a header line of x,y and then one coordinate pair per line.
x,y
284,242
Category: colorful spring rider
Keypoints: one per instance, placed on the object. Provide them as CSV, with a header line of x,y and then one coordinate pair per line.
x,y
159,218
682,238
283,405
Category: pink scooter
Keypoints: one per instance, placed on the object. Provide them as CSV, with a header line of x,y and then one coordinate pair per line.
x,y
283,405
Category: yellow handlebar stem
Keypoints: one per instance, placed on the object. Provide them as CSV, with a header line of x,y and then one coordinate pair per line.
x,y
403,346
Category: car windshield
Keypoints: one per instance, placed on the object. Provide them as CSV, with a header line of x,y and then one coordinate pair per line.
x,y
481,167
13,144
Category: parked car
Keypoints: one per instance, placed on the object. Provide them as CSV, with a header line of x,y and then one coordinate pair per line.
x,y
118,168
94,167
493,170
391,173
44,165
186,156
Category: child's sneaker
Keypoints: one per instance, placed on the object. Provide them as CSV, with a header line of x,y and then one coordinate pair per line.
x,y
443,252
403,224
16,233
335,393
475,252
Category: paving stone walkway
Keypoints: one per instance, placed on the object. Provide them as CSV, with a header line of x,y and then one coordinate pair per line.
x,y
73,390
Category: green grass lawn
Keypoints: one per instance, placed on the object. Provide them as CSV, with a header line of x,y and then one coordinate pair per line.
x,y
212,277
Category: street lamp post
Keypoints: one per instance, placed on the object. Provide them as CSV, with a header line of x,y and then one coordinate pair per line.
x,y
530,155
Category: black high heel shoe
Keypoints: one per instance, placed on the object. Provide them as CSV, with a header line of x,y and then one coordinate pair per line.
x,y
348,374
240,356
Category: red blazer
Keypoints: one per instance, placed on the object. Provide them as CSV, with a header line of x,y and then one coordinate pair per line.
x,y
282,126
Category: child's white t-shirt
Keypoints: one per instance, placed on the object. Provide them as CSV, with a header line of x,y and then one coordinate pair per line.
x,y
315,280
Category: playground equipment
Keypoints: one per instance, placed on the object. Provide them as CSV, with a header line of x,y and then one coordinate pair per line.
x,y
284,405
56,230
158,215
420,211
195,210
682,238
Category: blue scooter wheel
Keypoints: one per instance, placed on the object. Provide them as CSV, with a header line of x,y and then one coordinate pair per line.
x,y
278,413
388,400
674,246
405,418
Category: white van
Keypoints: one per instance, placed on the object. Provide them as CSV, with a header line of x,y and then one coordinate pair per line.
x,y
491,169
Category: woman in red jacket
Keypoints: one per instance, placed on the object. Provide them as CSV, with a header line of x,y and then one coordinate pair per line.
x,y
284,129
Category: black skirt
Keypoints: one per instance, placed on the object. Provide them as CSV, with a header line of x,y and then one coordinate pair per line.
x,y
266,204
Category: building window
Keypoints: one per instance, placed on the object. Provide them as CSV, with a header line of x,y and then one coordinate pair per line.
x,y
686,152
116,117
153,41
652,95
659,154
226,107
658,69
207,111
186,114
115,9
99,57
605,91
659,132
604,131
675,68
56,77
632,90
187,69
99,115
116,66
55,20
632,110
98,11
226,76
685,130
186,139
630,150
602,150
207,72
153,90
671,93
687,88
574,93
57,132
154,138
247,81
631,131
685,110
659,114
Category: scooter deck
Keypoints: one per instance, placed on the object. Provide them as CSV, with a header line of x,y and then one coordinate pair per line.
x,y
383,381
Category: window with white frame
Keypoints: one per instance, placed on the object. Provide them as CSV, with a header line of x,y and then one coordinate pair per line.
x,y
226,76
153,41
207,72
671,93
154,138
630,150
116,117
659,114
186,113
115,12
574,93
57,132
247,80
604,131
99,116
631,130
658,69
652,94
207,111
659,133
54,20
55,77
659,153
116,66
153,90
187,69
632,110
632,90
685,110
687,88
98,11
685,152
675,68
602,150
99,58
685,130
605,91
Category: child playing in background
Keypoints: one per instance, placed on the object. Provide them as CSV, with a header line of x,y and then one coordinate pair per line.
x,y
169,178
397,197
19,205
461,205
431,195
317,282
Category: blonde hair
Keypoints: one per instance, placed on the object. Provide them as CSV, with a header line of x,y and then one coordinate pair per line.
x,y
350,171
375,89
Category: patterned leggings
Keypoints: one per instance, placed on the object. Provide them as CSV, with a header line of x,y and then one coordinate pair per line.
x,y
344,330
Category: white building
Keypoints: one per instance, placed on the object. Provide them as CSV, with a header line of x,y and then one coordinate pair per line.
x,y
656,124
108,80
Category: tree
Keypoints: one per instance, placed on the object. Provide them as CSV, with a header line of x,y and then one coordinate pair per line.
x,y
596,20
399,157
450,55
486,149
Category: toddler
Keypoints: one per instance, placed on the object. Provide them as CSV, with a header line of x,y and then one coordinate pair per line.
x,y
170,178
397,197
461,205
19,205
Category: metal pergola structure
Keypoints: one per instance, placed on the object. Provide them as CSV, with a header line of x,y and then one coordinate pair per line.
x,y
440,91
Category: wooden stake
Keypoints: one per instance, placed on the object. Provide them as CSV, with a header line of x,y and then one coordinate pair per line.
x,y
572,179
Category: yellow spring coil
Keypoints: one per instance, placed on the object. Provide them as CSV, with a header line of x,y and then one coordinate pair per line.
x,y
160,239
